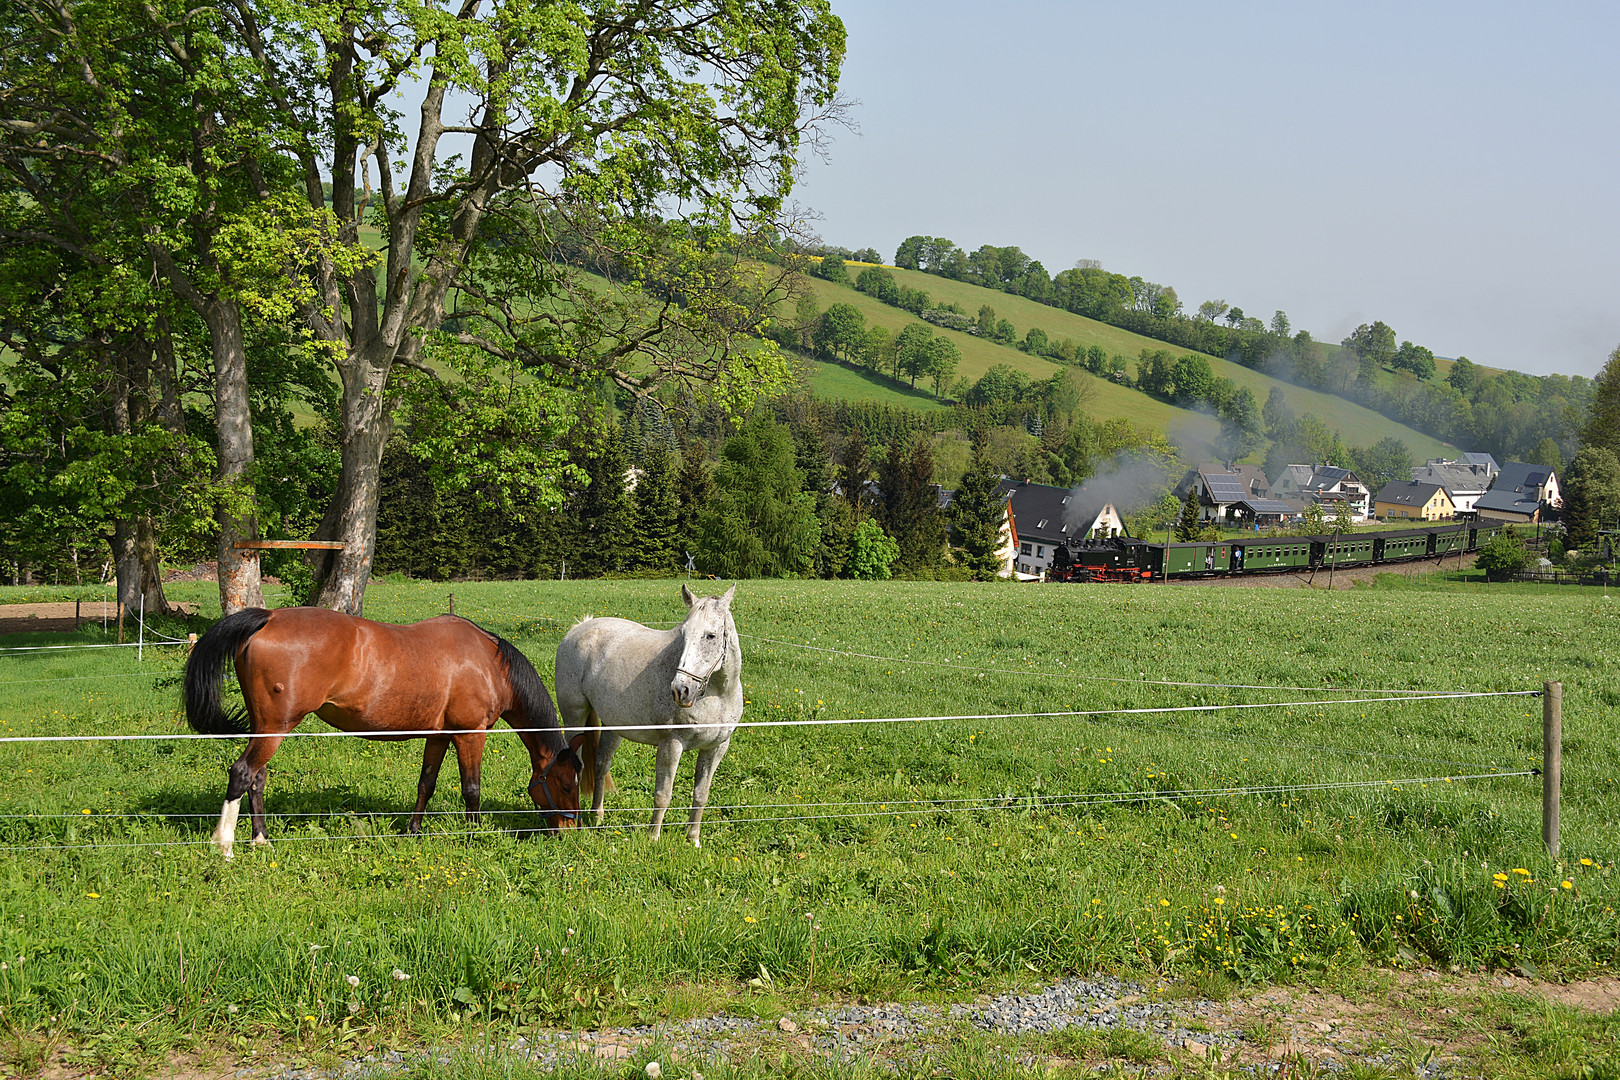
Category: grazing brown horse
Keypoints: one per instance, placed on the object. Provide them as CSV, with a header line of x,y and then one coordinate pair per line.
x,y
443,675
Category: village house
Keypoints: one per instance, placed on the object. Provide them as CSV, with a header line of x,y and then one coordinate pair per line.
x,y
1326,485
1221,487
1040,518
1414,499
1464,480
1523,493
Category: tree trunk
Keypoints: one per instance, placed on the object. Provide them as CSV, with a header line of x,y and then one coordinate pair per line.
x,y
134,540
341,576
239,585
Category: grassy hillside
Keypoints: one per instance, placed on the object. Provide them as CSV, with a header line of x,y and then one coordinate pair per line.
x,y
1356,424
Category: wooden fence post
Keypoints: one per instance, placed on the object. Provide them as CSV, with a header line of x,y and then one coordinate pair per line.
x,y
1552,762
120,622
452,603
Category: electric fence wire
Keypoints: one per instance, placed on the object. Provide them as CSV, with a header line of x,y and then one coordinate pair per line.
x,y
807,722
1054,802
969,802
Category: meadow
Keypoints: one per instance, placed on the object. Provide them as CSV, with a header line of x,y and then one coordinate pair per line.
x,y
1356,424
927,859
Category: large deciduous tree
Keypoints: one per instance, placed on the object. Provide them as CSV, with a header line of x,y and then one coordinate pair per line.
x,y
647,141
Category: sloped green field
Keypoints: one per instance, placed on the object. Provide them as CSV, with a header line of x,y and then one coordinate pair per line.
x,y
1356,424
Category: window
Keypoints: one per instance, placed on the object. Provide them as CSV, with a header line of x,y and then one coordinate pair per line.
x,y
1023,549
1040,550
1042,523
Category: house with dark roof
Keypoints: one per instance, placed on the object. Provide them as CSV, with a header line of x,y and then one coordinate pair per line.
x,y
1327,485
1523,492
1042,517
1464,481
1400,499
1221,486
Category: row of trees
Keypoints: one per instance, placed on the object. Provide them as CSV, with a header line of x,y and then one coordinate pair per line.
x,y
775,500
1508,414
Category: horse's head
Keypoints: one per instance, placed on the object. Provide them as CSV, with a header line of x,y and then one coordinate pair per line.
x,y
555,788
705,632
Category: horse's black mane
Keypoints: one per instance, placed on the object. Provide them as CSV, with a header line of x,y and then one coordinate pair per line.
x,y
530,690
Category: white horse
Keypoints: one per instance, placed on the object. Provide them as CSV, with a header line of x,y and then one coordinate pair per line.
x,y
677,689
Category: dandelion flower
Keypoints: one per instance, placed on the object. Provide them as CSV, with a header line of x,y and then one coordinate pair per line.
x,y
1220,899
400,976
749,919
1566,884
654,1070
352,980
1586,862
1164,903
93,895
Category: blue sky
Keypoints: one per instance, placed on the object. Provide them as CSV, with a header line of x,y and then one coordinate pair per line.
x,y
1448,168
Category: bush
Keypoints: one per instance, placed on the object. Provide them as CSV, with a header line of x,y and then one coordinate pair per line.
x,y
1503,554
871,552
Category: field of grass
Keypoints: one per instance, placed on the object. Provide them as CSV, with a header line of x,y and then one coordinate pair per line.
x,y
135,950
1357,425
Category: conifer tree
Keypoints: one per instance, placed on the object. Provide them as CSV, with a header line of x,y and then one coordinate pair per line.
x,y
854,473
1189,527
657,510
911,505
1603,415
606,515
694,490
976,515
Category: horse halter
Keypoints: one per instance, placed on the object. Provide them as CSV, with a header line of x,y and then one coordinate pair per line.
x,y
703,680
540,778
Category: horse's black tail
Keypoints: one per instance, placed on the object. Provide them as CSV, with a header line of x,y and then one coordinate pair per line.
x,y
531,693
205,672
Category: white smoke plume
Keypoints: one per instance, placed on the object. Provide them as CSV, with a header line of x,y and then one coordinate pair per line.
x,y
1130,480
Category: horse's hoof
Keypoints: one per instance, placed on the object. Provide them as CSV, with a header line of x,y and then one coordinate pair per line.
x,y
261,841
226,852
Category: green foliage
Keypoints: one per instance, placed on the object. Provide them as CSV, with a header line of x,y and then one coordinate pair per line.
x,y
1602,427
1504,553
872,553
910,503
1591,495
1189,526
977,516
761,522
1377,465
694,490
832,268
653,542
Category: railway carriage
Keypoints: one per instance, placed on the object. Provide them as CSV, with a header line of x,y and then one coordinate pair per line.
x,y
1128,559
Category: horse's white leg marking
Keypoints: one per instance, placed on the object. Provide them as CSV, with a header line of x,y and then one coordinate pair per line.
x,y
225,832
708,760
605,746
669,759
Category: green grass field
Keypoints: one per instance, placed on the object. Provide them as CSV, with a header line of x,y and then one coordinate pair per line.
x,y
848,822
1357,425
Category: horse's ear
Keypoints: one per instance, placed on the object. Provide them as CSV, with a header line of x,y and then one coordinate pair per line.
x,y
578,741
725,598
686,594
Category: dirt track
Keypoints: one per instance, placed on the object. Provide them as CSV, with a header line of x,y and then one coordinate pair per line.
x,y
59,617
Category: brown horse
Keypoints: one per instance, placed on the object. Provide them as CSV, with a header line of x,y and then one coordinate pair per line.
x,y
441,675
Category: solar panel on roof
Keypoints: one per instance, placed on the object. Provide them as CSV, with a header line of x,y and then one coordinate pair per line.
x,y
1225,489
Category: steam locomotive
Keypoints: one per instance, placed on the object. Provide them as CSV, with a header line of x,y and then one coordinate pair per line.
x,y
1128,559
